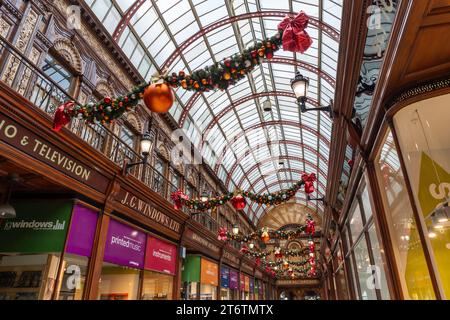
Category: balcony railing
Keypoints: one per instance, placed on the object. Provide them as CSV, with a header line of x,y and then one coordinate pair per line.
x,y
24,77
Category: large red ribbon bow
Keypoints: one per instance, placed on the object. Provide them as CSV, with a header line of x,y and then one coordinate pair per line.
x,y
177,198
309,182
61,117
222,236
295,38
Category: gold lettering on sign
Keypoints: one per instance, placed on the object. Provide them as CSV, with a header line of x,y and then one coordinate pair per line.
x,y
204,242
145,208
43,151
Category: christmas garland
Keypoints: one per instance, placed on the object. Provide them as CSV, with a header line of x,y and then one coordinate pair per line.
x,y
283,252
265,234
238,197
158,95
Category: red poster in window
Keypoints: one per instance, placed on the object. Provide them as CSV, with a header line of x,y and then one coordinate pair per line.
x,y
160,256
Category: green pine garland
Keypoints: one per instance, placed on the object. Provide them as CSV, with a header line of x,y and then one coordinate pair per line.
x,y
218,76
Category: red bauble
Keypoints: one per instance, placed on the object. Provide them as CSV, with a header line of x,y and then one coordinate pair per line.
x,y
238,202
269,55
159,97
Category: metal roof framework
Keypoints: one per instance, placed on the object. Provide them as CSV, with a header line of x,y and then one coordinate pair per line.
x,y
190,34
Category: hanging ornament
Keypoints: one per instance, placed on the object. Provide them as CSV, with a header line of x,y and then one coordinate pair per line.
x,y
285,265
265,235
159,97
278,254
238,201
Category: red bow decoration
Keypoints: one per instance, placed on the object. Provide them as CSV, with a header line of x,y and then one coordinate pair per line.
x,y
244,250
222,236
61,117
258,262
309,179
295,38
178,197
310,227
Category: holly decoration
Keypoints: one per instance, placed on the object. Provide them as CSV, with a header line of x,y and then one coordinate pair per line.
x,y
291,36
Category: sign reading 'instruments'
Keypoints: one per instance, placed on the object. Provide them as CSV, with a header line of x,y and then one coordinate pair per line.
x,y
147,209
28,142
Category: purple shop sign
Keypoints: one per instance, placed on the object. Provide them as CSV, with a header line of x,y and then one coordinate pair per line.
x,y
234,283
125,246
82,231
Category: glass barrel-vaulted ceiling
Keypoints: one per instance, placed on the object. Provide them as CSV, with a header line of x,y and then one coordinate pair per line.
x,y
247,147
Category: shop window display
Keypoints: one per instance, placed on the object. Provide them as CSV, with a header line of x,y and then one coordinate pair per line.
x,y
200,278
30,248
423,134
157,286
405,240
367,262
123,260
160,261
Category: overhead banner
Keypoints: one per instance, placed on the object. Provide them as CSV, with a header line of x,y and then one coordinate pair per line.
x,y
160,256
40,226
125,246
82,231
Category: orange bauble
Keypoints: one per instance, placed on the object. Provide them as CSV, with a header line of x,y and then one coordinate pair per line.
x,y
159,97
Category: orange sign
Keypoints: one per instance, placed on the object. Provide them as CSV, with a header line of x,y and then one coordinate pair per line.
x,y
209,273
247,284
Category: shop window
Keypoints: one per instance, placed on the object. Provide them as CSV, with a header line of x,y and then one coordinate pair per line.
x,y
157,286
380,264
367,262
123,260
422,130
404,236
363,265
31,247
356,223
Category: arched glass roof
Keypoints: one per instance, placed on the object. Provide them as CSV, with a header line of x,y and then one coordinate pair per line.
x,y
247,147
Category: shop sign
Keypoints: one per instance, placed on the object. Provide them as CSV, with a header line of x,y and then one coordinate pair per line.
x,y
234,284
40,226
205,243
160,256
82,231
242,282
26,141
148,210
252,285
247,268
225,277
231,257
247,284
191,269
125,246
304,282
209,272
258,274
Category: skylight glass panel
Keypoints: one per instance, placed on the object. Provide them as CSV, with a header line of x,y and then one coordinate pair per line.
x,y
160,31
